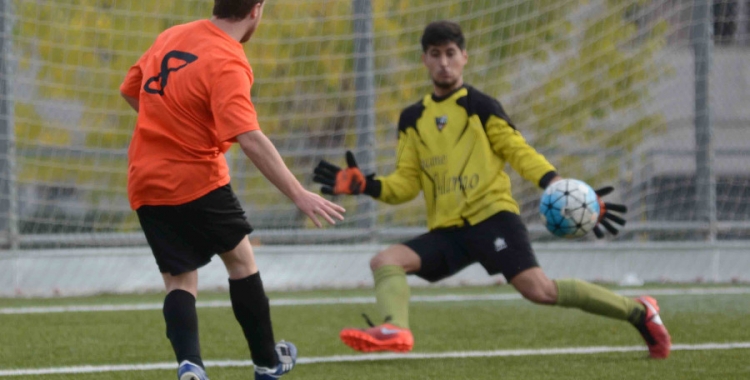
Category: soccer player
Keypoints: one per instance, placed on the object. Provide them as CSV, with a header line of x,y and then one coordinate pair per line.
x,y
191,90
453,145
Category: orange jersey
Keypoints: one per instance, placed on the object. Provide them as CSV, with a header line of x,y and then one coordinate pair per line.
x,y
193,87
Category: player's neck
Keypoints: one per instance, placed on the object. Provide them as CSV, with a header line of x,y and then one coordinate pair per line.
x,y
235,29
441,92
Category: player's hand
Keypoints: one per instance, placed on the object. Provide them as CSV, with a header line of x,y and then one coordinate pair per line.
x,y
606,217
335,180
313,205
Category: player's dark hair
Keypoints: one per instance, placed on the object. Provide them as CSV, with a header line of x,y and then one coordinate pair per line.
x,y
234,9
439,33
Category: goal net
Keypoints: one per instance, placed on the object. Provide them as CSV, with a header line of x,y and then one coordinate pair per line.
x,y
650,96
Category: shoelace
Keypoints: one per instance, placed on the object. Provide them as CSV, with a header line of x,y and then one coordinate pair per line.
x,y
369,322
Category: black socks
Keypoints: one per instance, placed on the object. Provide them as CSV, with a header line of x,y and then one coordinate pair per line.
x,y
182,326
252,311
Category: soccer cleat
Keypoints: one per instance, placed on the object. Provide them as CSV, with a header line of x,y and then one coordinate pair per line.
x,y
385,337
190,371
286,352
653,331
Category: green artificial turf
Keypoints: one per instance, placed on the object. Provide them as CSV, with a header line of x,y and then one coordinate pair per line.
x,y
137,337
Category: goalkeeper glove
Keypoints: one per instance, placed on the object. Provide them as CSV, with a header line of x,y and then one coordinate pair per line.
x,y
349,180
606,218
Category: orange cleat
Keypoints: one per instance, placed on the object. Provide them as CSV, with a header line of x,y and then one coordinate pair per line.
x,y
385,337
653,331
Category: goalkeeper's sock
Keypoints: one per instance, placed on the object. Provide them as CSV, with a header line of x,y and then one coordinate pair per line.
x,y
182,326
392,293
252,311
598,300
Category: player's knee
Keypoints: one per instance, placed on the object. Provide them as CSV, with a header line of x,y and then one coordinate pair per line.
x,y
542,293
240,261
238,266
187,282
539,298
377,261
382,259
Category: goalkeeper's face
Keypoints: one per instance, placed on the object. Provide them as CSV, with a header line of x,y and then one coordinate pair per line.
x,y
446,65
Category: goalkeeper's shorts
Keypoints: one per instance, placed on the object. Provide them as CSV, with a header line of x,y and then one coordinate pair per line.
x,y
185,237
500,244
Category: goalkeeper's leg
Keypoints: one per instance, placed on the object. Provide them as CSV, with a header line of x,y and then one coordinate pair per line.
x,y
392,293
389,270
503,244
534,285
432,256
642,313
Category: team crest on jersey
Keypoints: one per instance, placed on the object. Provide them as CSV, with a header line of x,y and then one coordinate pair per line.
x,y
441,122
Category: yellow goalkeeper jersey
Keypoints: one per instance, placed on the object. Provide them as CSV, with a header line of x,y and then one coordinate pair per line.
x,y
454,149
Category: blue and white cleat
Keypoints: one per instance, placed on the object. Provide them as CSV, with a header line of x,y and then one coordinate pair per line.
x,y
190,371
286,352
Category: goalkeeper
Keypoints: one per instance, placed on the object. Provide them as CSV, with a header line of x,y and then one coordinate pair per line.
x,y
453,145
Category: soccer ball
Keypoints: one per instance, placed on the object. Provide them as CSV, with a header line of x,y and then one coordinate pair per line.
x,y
569,208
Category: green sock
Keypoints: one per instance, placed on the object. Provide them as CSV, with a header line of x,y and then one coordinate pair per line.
x,y
392,293
598,300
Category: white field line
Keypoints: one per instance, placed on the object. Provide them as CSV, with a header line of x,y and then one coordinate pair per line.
x,y
374,357
359,300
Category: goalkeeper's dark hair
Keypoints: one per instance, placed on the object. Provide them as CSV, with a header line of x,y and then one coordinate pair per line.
x,y
439,33
234,9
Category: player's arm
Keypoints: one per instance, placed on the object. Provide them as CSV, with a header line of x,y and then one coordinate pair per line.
x,y
133,102
405,183
130,88
235,119
261,151
509,144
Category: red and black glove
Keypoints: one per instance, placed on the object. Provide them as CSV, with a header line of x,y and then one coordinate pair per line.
x,y
606,218
349,180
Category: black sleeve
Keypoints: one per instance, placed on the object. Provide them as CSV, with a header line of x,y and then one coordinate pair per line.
x,y
485,106
544,182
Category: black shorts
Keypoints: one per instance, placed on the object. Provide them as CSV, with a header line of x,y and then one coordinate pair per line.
x,y
500,244
183,238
